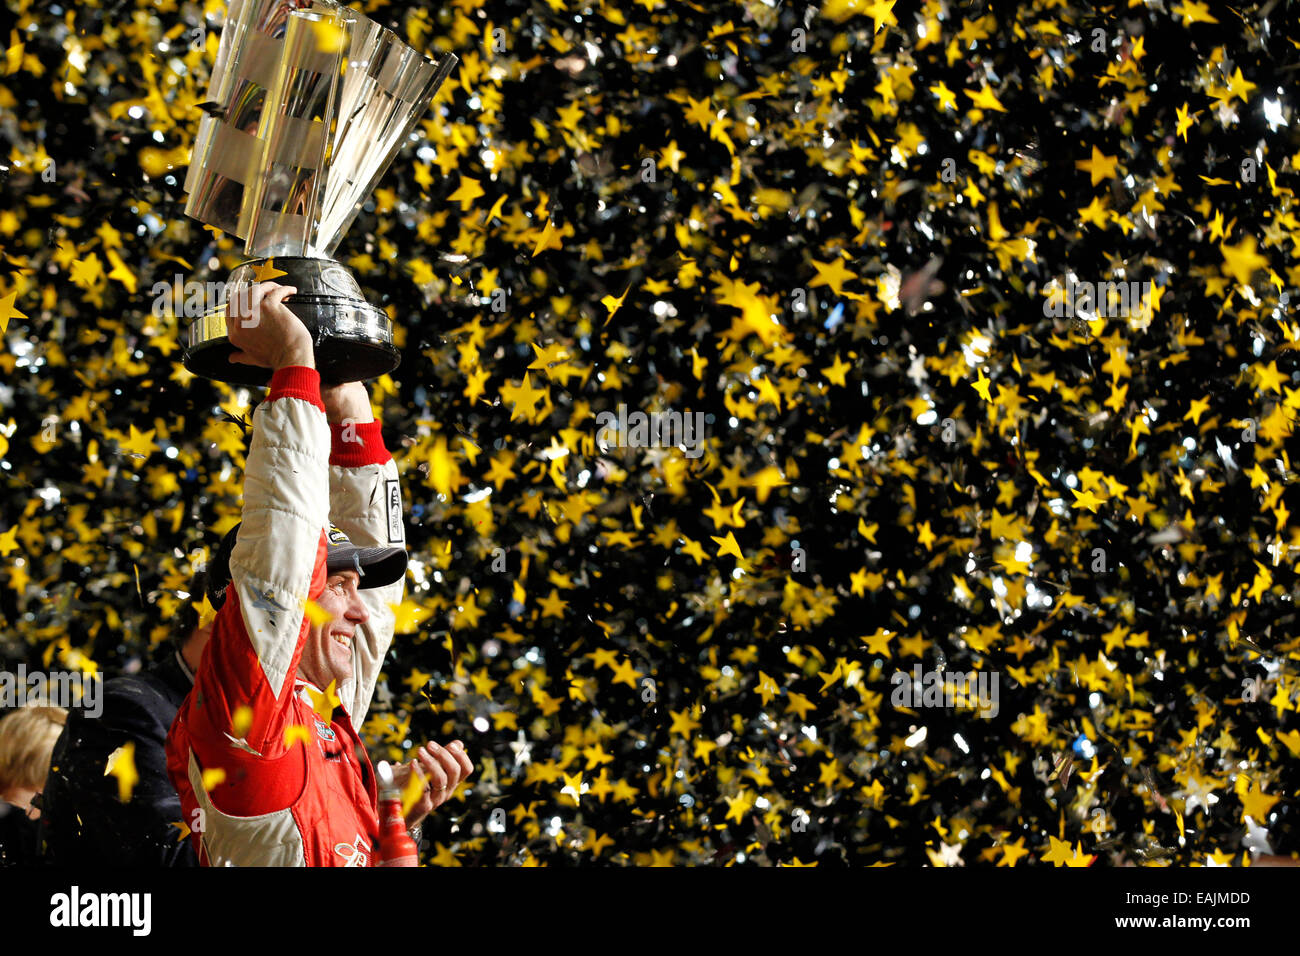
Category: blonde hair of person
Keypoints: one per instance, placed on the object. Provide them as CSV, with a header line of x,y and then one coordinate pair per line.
x,y
27,738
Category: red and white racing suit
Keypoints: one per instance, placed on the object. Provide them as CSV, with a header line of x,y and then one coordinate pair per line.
x,y
293,789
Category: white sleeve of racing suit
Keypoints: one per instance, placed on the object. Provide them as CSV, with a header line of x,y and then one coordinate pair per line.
x,y
366,505
286,510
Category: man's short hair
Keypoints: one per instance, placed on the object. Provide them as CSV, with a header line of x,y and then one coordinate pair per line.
x,y
27,737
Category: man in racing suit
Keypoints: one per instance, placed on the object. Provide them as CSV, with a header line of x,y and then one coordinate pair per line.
x,y
264,751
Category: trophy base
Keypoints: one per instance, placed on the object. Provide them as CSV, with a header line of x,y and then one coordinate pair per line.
x,y
353,340
338,360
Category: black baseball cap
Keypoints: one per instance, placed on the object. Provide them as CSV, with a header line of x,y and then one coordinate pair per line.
x,y
375,566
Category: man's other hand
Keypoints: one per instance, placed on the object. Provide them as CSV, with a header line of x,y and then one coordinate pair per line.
x,y
264,332
442,769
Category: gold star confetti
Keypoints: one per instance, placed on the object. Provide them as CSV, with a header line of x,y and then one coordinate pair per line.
x,y
949,410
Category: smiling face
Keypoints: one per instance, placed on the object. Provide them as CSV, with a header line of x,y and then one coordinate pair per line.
x,y
327,655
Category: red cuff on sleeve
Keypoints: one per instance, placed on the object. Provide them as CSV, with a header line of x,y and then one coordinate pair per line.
x,y
356,444
296,381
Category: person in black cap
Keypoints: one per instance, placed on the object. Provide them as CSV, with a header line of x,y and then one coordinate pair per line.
x,y
264,752
83,821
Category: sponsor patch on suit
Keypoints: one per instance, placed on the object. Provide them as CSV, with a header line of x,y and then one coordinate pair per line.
x,y
393,498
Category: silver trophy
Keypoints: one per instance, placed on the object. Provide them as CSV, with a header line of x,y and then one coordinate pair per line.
x,y
309,103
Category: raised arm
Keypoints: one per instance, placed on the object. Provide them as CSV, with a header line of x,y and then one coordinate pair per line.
x,y
279,556
366,505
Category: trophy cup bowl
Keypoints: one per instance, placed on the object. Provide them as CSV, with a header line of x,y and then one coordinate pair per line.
x,y
309,102
353,339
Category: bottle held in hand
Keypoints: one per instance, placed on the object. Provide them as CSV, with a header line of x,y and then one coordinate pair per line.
x,y
396,848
